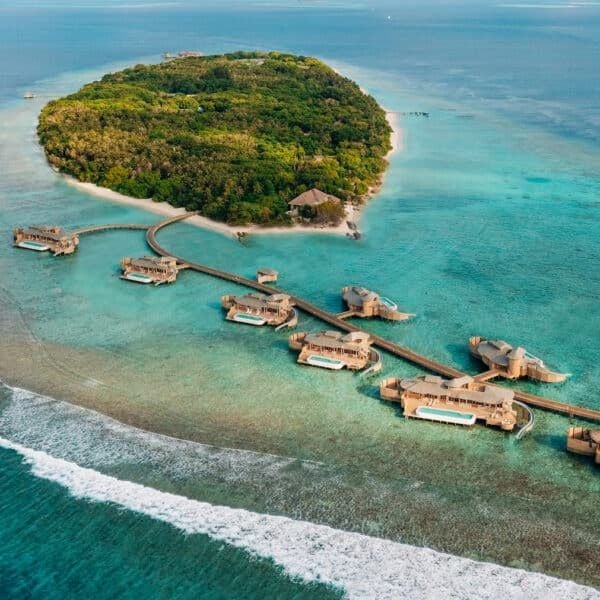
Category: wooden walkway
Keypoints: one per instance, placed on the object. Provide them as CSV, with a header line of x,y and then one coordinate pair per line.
x,y
331,319
94,228
486,375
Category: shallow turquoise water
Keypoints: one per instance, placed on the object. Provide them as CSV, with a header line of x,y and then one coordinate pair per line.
x,y
486,225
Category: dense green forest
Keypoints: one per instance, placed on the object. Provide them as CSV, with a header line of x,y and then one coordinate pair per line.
x,y
234,136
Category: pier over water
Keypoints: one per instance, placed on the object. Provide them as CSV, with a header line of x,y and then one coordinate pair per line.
x,y
380,342
95,228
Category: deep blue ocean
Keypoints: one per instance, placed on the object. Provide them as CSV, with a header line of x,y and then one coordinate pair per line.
x,y
487,223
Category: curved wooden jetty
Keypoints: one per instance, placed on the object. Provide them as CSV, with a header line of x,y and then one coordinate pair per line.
x,y
388,346
94,228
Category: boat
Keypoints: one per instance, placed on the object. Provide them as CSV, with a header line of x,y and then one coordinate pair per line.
x,y
30,245
249,319
137,277
444,415
28,95
325,362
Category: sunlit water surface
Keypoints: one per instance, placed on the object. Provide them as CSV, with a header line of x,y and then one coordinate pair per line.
x,y
487,224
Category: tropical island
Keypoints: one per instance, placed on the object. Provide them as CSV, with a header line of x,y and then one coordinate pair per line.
x,y
237,137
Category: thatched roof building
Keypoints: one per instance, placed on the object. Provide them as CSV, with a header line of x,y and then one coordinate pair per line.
x,y
266,275
460,401
261,309
512,362
312,197
46,237
335,350
150,269
362,302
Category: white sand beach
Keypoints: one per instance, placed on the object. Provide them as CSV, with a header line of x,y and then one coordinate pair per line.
x,y
165,209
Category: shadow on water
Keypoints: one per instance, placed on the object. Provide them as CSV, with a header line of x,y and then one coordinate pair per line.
x,y
462,358
214,305
554,442
558,445
370,389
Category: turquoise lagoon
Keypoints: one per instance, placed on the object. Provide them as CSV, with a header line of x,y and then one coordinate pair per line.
x,y
487,224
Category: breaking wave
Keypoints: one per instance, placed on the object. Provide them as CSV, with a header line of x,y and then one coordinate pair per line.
x,y
363,566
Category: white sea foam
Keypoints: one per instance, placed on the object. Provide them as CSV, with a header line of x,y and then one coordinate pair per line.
x,y
363,566
96,440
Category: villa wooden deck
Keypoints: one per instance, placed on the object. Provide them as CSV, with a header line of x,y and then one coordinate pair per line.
x,y
391,347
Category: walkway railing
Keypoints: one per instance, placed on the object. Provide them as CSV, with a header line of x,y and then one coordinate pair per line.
x,y
94,228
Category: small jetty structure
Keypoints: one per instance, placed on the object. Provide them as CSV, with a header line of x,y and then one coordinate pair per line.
x,y
362,302
150,269
507,361
584,441
261,309
266,275
335,350
46,237
460,401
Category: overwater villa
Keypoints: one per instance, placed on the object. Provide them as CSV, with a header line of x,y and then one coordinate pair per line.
x,y
46,237
365,303
506,361
266,275
150,269
335,350
584,441
261,309
460,401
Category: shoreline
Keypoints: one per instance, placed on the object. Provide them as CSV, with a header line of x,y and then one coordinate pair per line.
x,y
353,211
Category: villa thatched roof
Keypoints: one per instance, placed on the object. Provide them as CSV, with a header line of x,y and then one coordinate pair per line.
x,y
159,263
356,296
499,351
258,300
355,340
458,389
51,232
312,197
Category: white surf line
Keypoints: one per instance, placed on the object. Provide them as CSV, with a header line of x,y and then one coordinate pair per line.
x,y
103,424
363,566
